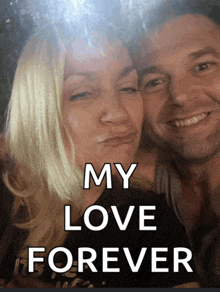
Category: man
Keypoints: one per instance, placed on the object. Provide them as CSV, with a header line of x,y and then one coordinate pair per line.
x,y
179,65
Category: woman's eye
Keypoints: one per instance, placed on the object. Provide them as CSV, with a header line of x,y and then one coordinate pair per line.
x,y
80,95
130,89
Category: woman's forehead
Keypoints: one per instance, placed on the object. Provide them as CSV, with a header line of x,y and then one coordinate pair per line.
x,y
96,45
98,55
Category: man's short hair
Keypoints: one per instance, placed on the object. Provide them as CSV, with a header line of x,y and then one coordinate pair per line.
x,y
172,8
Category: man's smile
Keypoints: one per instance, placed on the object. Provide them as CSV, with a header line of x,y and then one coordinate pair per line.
x,y
188,121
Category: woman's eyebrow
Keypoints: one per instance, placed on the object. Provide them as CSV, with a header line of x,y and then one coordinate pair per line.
x,y
88,75
91,76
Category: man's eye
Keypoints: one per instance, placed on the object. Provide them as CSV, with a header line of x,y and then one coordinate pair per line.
x,y
153,83
205,66
202,67
80,95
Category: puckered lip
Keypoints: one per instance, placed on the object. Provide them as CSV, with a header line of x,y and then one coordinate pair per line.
x,y
119,138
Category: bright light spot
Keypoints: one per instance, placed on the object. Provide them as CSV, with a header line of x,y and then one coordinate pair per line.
x,y
75,3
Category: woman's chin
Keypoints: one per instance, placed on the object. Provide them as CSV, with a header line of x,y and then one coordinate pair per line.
x,y
114,166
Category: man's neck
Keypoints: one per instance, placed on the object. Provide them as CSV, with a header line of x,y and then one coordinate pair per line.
x,y
199,174
200,186
146,168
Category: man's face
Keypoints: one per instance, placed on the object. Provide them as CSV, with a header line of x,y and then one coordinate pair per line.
x,y
180,83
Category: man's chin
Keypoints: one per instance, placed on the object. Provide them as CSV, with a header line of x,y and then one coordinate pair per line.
x,y
192,155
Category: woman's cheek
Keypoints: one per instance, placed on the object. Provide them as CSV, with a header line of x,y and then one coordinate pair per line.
x,y
137,112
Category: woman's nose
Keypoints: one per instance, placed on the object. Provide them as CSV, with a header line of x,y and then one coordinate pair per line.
x,y
114,110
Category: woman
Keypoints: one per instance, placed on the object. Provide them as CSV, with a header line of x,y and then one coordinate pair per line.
x,y
76,101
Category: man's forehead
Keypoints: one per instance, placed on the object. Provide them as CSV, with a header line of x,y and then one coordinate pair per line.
x,y
176,28
191,30
187,26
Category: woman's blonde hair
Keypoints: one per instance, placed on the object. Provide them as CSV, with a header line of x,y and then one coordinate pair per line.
x,y
39,172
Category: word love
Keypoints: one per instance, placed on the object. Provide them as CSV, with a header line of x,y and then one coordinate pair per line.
x,y
105,217
106,171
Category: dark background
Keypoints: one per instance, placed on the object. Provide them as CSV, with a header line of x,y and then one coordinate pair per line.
x,y
20,18
15,26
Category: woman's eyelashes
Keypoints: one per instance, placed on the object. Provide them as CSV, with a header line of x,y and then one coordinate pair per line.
x,y
81,95
85,94
130,89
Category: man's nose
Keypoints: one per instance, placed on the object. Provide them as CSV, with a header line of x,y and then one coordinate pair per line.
x,y
114,110
181,90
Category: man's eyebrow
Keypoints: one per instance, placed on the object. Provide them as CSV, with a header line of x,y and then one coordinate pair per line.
x,y
202,52
145,71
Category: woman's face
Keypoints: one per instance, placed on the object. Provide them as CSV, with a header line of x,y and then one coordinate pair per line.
x,y
102,109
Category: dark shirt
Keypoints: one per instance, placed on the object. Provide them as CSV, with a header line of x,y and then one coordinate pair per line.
x,y
170,234
202,223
